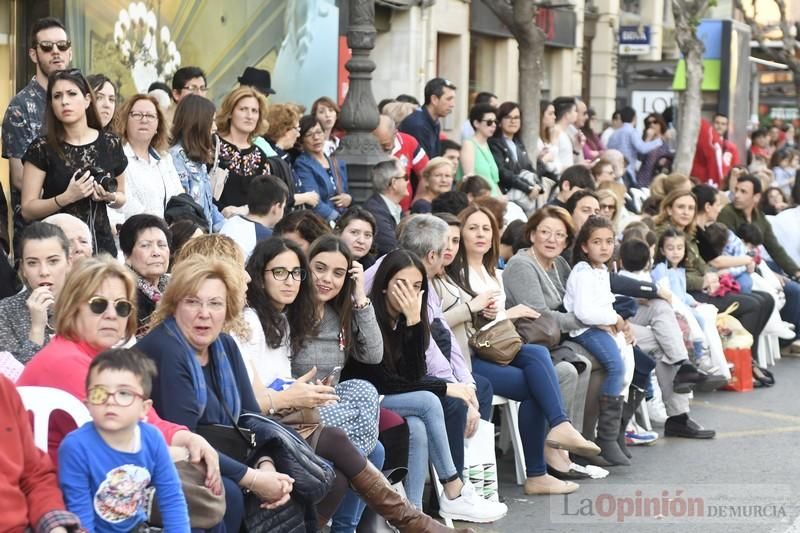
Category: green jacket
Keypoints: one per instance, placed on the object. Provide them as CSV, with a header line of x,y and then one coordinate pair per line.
x,y
733,218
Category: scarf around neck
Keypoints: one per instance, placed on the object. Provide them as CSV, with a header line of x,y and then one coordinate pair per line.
x,y
220,367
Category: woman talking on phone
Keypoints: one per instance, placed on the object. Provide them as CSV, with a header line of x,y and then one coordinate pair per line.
x,y
76,167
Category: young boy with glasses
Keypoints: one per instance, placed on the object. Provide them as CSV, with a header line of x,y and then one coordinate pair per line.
x,y
109,468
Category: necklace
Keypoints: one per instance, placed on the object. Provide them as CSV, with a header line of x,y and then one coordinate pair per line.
x,y
532,253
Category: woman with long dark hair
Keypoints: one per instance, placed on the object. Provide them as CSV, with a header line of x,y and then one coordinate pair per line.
x,y
76,167
282,315
193,152
398,296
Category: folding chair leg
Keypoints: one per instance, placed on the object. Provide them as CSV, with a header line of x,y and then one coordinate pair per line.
x,y
439,488
512,419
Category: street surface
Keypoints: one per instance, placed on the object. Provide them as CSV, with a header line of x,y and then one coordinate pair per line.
x,y
745,480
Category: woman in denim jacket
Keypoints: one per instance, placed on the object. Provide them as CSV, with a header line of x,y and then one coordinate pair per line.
x,y
192,152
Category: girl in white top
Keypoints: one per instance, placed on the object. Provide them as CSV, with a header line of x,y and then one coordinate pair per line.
x,y
530,378
588,295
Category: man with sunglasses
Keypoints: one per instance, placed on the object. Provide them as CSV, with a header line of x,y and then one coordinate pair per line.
x,y
50,50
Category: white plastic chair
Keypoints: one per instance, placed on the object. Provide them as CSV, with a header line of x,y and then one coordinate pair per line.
x,y
509,431
42,401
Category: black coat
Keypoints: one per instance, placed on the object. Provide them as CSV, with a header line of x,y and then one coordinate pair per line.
x,y
385,238
509,167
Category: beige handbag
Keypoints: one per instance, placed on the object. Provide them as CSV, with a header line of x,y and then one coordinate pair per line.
x,y
497,342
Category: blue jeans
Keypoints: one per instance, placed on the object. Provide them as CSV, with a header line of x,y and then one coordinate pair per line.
x,y
642,368
427,437
347,516
530,379
484,392
791,311
604,348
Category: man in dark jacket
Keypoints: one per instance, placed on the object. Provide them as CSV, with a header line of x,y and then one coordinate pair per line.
x,y
389,180
423,124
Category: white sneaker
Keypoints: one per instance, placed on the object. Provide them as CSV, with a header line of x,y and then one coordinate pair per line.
x,y
656,411
470,507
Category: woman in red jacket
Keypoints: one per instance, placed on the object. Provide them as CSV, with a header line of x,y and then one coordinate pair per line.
x,y
28,483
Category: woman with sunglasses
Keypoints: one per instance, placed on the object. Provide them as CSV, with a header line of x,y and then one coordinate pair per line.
x,y
94,312
511,155
659,160
319,172
152,178
476,156
76,167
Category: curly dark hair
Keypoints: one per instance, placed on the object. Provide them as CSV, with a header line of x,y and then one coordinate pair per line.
x,y
300,315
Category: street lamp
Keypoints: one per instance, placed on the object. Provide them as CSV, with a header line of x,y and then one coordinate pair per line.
x,y
359,116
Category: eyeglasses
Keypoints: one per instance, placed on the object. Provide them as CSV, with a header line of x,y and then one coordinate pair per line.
x,y
122,307
310,134
138,115
122,397
215,305
608,207
490,122
47,46
400,177
202,89
282,274
558,236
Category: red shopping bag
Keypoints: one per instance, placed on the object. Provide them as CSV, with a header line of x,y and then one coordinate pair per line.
x,y
742,373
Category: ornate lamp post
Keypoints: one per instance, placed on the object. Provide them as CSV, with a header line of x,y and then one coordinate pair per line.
x,y
360,149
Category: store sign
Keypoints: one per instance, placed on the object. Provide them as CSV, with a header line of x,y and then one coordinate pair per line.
x,y
646,102
634,40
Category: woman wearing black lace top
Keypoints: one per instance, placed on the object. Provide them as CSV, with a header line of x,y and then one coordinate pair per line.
x,y
76,167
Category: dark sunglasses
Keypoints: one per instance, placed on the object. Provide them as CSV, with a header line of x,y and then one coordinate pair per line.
x,y
98,306
47,46
490,122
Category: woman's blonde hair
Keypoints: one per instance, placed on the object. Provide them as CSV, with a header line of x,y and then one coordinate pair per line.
x,y
185,282
398,111
225,113
605,193
83,281
219,247
669,199
281,118
434,164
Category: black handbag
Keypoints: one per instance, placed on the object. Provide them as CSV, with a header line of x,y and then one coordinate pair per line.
x,y
234,441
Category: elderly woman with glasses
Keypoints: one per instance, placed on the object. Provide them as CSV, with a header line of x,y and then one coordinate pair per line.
x,y
94,312
152,178
321,173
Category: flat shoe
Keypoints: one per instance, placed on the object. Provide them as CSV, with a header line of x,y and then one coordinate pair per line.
x,y
560,487
572,441
569,475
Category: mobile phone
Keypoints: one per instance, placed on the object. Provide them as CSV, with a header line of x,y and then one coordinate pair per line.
x,y
333,375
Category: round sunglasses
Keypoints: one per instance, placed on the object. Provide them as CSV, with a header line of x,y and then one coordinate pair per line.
x,y
122,307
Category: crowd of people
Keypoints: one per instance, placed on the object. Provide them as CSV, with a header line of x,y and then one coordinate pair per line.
x,y
256,350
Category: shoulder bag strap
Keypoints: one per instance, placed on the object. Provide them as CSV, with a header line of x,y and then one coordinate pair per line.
x,y
218,392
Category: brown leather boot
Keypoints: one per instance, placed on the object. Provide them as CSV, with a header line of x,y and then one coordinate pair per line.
x,y
375,490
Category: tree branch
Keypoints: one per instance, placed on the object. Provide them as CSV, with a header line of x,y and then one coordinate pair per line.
x,y
782,56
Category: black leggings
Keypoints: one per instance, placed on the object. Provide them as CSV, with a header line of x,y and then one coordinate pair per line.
x,y
754,311
334,445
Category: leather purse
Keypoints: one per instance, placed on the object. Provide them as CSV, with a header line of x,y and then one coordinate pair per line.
x,y
234,441
543,331
304,420
497,342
